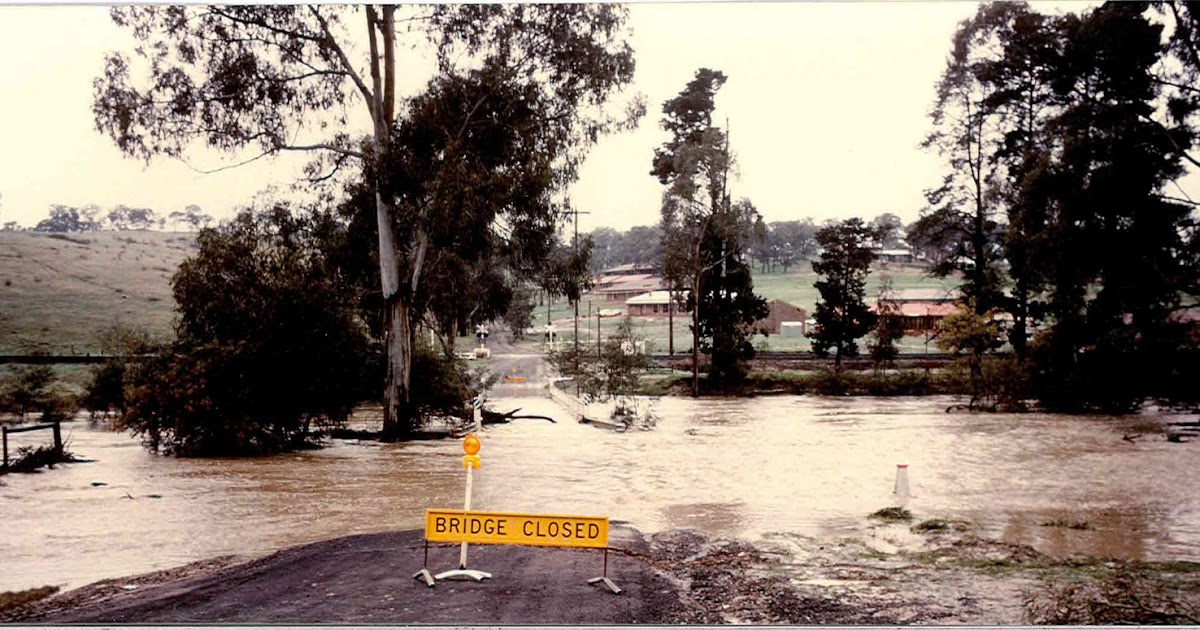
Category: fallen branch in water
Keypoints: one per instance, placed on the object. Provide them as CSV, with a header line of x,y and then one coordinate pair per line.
x,y
494,417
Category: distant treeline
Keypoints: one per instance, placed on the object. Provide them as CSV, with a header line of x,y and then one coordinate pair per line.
x,y
778,245
93,218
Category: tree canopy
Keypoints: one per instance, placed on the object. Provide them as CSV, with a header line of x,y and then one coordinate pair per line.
x,y
705,235
534,79
841,314
1065,138
268,342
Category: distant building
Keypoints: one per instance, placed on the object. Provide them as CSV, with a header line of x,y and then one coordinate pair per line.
x,y
626,281
779,313
632,269
651,304
921,310
897,255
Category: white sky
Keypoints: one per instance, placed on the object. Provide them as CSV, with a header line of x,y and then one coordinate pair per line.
x,y
826,104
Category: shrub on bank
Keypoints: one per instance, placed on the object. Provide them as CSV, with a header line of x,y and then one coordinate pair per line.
x,y
35,389
268,343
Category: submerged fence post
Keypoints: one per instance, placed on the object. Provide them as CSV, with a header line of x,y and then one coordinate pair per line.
x,y
58,446
4,432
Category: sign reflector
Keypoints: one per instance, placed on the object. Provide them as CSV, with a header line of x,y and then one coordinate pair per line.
x,y
507,528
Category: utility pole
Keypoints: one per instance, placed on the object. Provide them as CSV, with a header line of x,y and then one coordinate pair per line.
x,y
576,246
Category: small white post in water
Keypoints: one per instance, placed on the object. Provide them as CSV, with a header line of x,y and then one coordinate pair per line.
x,y
901,487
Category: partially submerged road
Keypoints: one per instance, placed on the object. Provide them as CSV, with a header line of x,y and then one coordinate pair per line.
x,y
369,579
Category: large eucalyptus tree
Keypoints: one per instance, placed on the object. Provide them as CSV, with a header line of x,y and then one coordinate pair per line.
x,y
281,78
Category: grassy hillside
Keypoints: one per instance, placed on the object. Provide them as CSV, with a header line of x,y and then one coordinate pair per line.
x,y
59,291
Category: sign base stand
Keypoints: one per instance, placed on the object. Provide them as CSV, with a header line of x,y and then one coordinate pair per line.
x,y
478,576
425,575
607,582
603,579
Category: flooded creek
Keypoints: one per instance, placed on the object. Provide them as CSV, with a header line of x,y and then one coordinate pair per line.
x,y
742,468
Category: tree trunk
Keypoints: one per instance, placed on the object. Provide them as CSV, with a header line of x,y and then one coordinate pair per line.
x,y
397,331
1020,332
398,415
696,332
670,323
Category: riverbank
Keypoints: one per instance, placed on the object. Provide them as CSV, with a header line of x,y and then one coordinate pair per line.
x,y
885,573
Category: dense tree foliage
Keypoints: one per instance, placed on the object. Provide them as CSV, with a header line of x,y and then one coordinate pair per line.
x,y
268,342
640,245
706,236
787,243
842,315
891,230
30,389
973,334
888,326
1074,130
778,245
727,304
107,388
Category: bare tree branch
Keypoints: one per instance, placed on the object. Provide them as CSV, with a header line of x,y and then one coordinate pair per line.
x,y
292,34
376,82
341,54
320,146
389,62
223,168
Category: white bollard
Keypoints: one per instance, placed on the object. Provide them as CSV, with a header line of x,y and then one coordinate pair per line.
x,y
470,462
900,489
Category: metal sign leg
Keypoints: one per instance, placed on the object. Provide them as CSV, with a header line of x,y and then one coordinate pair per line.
x,y
424,573
603,579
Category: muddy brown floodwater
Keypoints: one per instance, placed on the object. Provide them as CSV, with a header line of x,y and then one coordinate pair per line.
x,y
739,468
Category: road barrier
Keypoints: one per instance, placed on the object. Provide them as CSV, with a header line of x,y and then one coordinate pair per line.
x,y
511,528
506,528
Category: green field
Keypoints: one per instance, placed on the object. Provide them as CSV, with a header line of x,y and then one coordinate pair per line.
x,y
58,292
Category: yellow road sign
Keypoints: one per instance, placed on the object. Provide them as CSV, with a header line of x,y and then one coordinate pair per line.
x,y
506,528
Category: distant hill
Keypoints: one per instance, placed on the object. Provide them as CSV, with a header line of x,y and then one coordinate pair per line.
x,y
59,291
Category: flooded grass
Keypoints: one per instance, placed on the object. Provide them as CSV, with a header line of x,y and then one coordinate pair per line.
x,y
12,600
893,514
940,525
30,459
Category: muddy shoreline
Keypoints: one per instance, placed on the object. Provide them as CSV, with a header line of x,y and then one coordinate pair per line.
x,y
885,573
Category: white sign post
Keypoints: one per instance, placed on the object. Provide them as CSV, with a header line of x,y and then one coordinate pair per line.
x,y
470,462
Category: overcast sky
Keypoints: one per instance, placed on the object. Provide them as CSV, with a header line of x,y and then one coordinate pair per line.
x,y
826,104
